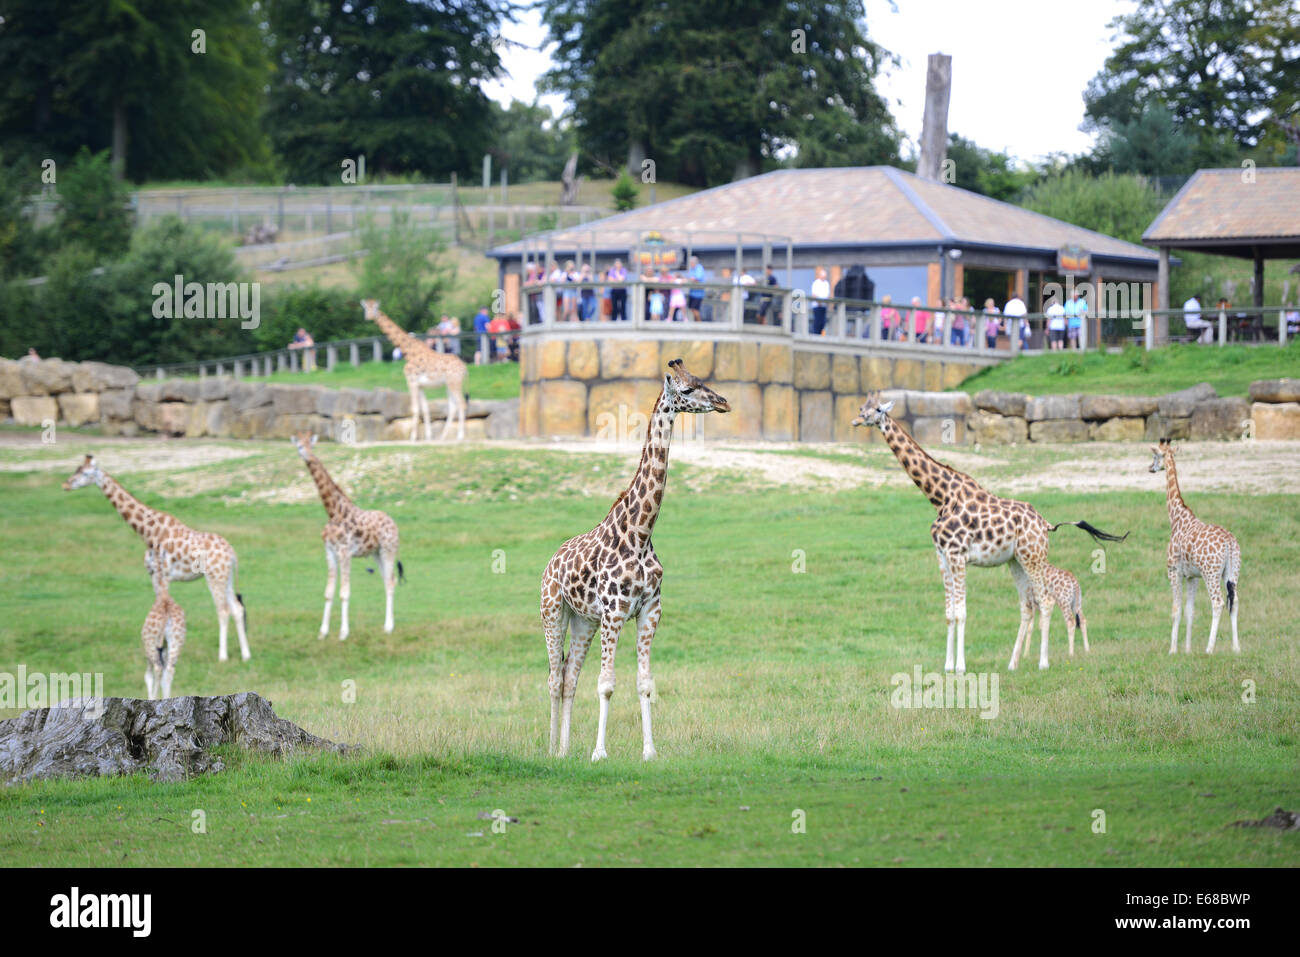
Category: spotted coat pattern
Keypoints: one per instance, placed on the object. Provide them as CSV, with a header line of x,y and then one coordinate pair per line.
x,y
1197,550
175,552
425,368
351,532
601,579
163,636
1069,598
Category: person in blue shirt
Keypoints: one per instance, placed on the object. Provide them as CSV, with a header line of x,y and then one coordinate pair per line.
x,y
483,356
695,301
1076,310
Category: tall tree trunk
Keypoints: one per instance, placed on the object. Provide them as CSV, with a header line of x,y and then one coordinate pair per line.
x,y
119,138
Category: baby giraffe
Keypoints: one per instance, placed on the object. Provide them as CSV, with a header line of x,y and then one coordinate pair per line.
x,y
1064,589
163,636
1197,550
351,532
610,575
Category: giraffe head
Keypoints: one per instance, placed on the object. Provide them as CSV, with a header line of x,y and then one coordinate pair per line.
x,y
687,393
371,306
87,473
872,412
1163,455
304,442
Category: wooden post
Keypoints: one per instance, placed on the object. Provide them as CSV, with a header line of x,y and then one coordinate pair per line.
x,y
331,357
1223,326
377,350
934,129
354,354
1162,301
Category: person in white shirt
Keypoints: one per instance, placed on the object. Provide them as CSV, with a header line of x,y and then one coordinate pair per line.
x,y
1192,318
1015,310
820,292
1056,321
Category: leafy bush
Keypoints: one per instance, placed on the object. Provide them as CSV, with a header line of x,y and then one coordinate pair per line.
x,y
94,208
325,313
624,193
403,270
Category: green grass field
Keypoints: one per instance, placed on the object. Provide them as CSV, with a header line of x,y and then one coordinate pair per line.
x,y
774,685
496,381
1230,369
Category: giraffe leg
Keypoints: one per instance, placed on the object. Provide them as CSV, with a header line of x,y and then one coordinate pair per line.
x,y
949,659
1069,628
218,589
333,562
1214,585
958,565
388,566
237,608
1233,575
345,590
580,632
1176,583
1232,614
451,414
1026,611
425,415
553,625
610,626
461,403
415,407
1083,630
647,622
1188,612
1045,601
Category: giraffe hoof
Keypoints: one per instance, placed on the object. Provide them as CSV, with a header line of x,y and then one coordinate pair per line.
x,y
599,754
649,754
1042,666
223,657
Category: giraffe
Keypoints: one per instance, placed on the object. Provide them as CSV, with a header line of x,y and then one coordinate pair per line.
x,y
1068,596
975,527
175,552
424,368
1197,550
163,636
351,532
609,575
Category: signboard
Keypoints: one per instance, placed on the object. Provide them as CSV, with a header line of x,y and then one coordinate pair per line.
x,y
1073,261
655,251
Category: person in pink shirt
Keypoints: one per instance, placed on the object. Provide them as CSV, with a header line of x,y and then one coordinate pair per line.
x,y
922,319
889,320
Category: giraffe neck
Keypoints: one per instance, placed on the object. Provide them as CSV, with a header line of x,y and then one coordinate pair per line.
x,y
1173,497
399,337
634,512
133,511
917,463
331,496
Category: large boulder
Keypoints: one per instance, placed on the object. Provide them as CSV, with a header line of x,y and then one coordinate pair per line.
x,y
503,423
992,429
1219,419
1181,404
1003,403
79,408
215,388
389,403
47,376
939,404
179,390
247,395
1059,430
1123,429
1041,408
116,403
295,399
34,409
1275,390
1099,407
100,376
1273,420
169,739
11,379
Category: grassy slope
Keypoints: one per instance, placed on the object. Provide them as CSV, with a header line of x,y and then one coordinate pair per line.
x,y
773,690
1230,369
498,381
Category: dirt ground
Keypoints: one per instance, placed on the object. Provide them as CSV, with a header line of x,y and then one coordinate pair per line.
x,y
1252,467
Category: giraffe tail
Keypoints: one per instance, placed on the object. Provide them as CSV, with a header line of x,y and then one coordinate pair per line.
x,y
1092,530
1232,595
245,609
401,574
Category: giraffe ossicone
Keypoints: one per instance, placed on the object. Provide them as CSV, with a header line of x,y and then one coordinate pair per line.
x,y
975,527
175,552
610,575
351,532
424,368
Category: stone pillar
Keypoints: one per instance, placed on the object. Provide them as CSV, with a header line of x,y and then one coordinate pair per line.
x,y
1161,332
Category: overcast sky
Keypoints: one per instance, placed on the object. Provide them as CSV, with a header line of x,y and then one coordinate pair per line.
x,y
1019,67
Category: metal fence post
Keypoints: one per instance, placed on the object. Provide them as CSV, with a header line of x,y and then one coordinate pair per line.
x,y
1148,330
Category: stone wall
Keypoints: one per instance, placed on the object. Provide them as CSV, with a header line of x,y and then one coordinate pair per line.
x,y
777,391
114,399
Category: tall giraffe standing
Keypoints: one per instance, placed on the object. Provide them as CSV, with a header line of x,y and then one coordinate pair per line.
x,y
424,368
975,527
163,636
175,551
611,574
1197,550
351,532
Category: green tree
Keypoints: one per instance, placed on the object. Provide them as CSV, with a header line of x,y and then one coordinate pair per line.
x,y
713,92
530,142
125,75
624,193
987,171
1219,68
403,269
1122,206
94,207
397,81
